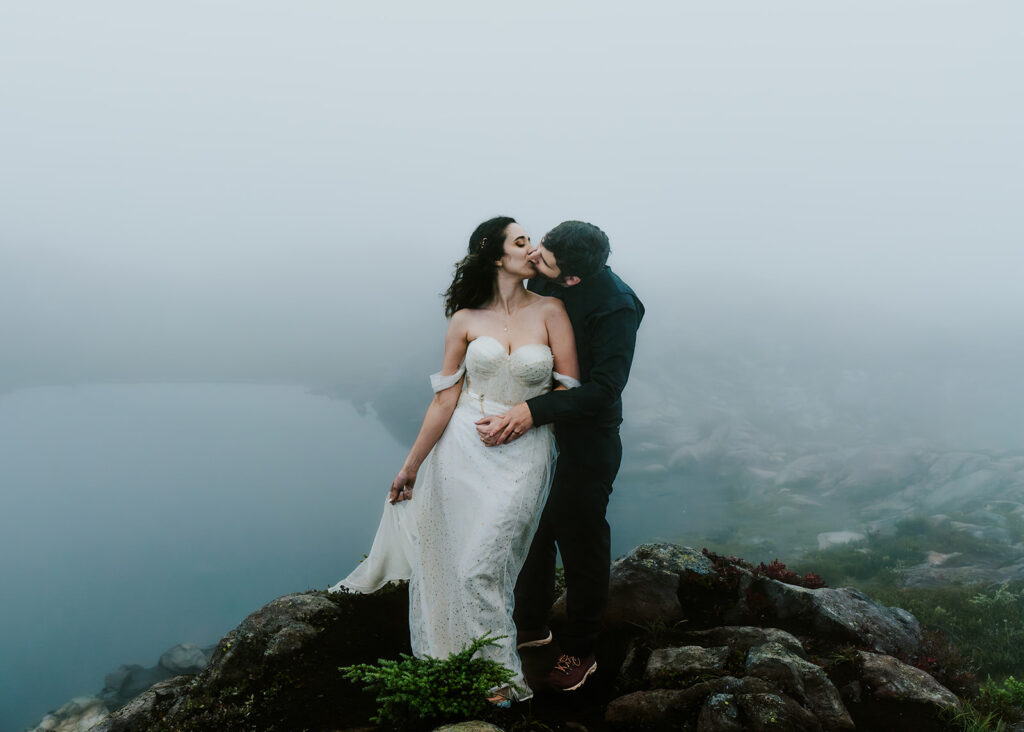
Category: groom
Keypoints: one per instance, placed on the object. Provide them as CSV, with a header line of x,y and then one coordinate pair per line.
x,y
605,314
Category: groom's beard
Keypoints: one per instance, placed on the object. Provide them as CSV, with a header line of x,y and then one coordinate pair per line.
x,y
560,280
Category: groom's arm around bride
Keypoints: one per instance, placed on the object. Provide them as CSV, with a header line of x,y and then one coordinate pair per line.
x,y
605,314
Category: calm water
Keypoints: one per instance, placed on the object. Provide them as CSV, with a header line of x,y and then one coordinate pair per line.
x,y
136,517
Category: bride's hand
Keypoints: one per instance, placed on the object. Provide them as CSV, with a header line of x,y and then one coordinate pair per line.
x,y
488,425
517,421
401,486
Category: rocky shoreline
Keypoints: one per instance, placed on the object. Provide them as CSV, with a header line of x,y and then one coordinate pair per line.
x,y
122,686
693,641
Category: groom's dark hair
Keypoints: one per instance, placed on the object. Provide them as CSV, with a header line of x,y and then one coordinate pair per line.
x,y
580,249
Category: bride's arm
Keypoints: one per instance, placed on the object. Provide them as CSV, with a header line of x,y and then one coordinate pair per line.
x,y
438,413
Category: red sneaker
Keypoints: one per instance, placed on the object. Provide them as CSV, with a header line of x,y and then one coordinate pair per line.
x,y
571,672
533,638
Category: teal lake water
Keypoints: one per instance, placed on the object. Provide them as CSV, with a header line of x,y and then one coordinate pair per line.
x,y
136,517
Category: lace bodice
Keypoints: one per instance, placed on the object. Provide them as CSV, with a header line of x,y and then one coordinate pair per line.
x,y
499,376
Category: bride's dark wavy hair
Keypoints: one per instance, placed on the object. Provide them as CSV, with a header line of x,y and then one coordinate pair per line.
x,y
473,284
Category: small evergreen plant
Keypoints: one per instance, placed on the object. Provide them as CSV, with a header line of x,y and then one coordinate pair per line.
x,y
412,689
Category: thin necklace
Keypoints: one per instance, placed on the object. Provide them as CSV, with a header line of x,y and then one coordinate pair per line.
x,y
508,318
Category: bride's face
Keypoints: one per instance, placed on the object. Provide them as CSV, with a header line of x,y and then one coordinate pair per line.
x,y
516,260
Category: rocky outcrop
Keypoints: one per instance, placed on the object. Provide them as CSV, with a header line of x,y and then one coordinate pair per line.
x,y
841,615
674,665
78,715
279,668
888,679
804,681
128,685
766,678
146,706
187,658
123,685
790,658
664,583
646,585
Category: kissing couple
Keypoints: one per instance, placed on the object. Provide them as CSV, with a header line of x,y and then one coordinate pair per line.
x,y
476,512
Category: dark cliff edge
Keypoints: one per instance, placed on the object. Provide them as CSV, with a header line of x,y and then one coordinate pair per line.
x,y
693,641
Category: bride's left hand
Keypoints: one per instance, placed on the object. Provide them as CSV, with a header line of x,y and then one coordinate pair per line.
x,y
401,486
509,426
488,425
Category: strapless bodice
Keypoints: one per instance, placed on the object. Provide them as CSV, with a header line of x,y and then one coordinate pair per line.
x,y
509,378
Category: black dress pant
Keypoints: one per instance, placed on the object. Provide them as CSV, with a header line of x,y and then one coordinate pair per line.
x,y
574,521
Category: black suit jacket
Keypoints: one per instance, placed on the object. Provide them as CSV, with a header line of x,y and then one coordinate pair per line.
x,y
605,314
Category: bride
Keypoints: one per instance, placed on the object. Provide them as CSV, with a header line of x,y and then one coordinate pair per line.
x,y
460,516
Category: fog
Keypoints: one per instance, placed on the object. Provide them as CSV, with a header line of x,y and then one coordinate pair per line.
x,y
238,191
819,204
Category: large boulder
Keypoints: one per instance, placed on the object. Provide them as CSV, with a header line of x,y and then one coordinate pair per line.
x,y
675,666
129,681
186,658
78,715
279,668
755,713
741,638
654,709
669,708
644,585
889,679
801,679
839,614
277,630
721,713
144,710
665,584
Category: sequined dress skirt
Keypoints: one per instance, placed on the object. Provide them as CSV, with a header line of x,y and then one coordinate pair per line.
x,y
463,538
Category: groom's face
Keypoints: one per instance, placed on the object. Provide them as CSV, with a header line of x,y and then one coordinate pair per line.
x,y
545,262
547,266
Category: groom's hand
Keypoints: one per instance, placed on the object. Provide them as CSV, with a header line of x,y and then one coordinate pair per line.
x,y
518,421
488,425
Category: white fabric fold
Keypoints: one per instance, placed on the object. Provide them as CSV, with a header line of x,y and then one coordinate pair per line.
x,y
567,381
440,382
463,538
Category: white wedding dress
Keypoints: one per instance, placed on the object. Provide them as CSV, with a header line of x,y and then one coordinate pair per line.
x,y
464,536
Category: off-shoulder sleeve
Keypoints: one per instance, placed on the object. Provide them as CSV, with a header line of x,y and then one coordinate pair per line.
x,y
567,381
439,382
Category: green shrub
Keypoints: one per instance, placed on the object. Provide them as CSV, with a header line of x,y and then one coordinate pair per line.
x,y
986,624
416,689
1005,700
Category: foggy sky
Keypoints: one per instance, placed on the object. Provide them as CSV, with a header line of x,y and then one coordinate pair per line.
x,y
277,191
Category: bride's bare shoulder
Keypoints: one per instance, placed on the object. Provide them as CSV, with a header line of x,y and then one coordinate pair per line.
x,y
462,321
467,315
551,306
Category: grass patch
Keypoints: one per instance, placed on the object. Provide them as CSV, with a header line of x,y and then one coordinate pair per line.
x,y
878,559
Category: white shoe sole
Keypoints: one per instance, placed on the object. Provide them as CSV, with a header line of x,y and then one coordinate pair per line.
x,y
536,643
590,670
